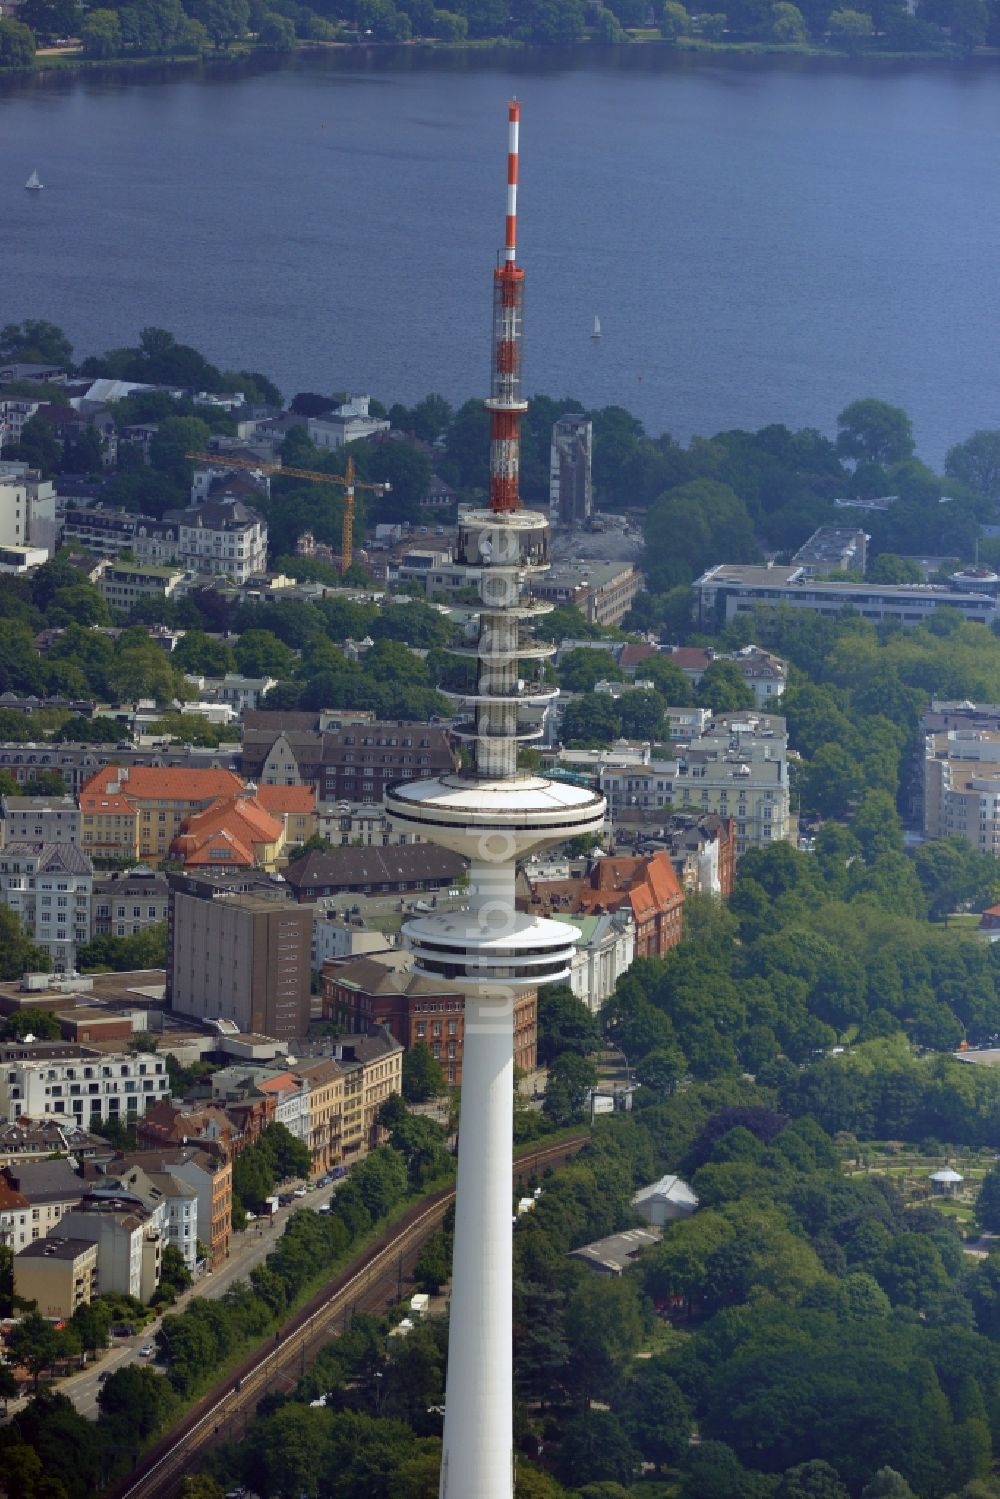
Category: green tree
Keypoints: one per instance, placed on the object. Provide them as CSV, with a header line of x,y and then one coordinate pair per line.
x,y
976,462
812,1480
35,342
177,436
423,1078
564,1024
787,25
887,567
659,1416
988,1202
674,20
38,444
582,667
668,679
17,45
592,720
277,32
101,34
224,20
869,431
34,1343
722,688
570,1079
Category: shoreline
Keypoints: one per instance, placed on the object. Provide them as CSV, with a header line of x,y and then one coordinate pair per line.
x,y
54,63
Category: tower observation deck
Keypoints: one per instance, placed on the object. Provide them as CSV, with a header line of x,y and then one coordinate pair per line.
x,y
494,814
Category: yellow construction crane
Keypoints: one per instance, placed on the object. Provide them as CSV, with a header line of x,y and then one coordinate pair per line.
x,y
346,481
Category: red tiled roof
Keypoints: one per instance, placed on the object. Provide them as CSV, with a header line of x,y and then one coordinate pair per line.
x,y
690,657
164,783
281,799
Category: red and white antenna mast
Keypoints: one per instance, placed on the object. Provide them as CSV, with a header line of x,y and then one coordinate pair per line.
x,y
505,404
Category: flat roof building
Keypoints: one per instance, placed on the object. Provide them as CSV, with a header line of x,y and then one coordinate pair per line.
x,y
730,588
58,1274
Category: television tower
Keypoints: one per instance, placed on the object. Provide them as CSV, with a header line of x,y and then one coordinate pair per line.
x,y
494,814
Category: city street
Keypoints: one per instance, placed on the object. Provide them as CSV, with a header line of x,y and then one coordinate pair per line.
x,y
248,1249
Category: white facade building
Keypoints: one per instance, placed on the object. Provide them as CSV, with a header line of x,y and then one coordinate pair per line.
x,y
739,769
49,887
39,819
604,951
42,1079
349,422
27,509
223,537
129,1243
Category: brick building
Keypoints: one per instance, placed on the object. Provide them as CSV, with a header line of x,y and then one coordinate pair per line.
x,y
365,992
645,885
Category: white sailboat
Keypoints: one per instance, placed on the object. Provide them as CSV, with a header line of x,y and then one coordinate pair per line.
x,y
597,327
34,183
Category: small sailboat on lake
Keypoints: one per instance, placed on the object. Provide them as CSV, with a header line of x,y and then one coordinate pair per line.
x,y
597,327
34,183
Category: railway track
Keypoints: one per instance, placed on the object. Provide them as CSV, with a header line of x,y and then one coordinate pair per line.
x,y
225,1411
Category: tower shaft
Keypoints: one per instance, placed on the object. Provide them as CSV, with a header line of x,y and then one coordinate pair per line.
x,y
493,814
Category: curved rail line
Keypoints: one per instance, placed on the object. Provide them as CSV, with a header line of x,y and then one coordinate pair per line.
x,y
361,1286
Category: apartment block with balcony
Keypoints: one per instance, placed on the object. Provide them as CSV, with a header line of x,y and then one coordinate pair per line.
x,y
738,769
42,1078
222,537
49,889
39,819
58,1274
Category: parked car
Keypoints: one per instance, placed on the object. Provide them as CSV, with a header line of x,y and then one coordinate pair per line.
x,y
147,1350
299,1192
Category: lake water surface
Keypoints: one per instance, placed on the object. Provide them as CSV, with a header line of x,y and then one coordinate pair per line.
x,y
763,240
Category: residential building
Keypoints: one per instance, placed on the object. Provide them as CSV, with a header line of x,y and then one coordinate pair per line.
x,y
128,1240
235,832
39,819
325,1082
78,763
207,1167
21,560
234,690
48,886
123,584
409,867
353,763
368,993
58,1274
15,1217
27,510
135,812
51,1189
603,591
26,1139
127,902
350,421
738,769
222,537
295,808
42,1078
833,549
176,1200
728,589
291,1101
239,957
108,533
961,787
571,495
348,823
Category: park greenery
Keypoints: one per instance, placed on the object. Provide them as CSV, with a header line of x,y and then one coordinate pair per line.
x,y
169,29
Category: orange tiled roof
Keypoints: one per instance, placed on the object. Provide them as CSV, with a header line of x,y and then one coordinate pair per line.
x,y
238,822
281,799
163,783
